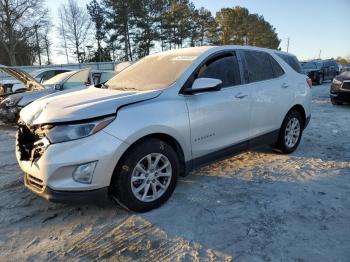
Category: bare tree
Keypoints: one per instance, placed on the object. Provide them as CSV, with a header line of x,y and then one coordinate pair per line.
x,y
46,43
18,20
76,26
62,31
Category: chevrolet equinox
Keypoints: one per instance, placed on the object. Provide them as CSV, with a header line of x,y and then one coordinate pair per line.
x,y
157,120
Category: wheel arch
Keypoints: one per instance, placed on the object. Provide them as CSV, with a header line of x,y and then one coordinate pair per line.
x,y
163,137
300,109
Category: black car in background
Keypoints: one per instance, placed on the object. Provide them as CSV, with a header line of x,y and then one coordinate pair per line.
x,y
340,89
321,70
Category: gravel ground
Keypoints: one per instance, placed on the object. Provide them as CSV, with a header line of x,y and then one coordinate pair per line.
x,y
257,206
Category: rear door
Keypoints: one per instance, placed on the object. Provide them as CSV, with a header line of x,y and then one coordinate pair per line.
x,y
220,119
271,92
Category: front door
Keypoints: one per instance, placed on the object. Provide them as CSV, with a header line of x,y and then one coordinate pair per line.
x,y
220,119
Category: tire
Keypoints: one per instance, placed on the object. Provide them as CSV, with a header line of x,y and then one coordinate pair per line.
x,y
282,145
123,190
335,102
319,80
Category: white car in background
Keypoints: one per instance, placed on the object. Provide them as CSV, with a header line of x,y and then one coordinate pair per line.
x,y
62,83
158,119
40,75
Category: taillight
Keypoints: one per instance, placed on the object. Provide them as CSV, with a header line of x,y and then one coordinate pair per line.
x,y
309,82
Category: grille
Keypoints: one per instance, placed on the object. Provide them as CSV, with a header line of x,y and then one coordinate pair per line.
x,y
35,183
29,142
346,86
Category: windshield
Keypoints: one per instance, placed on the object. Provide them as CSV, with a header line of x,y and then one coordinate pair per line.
x,y
310,65
153,72
58,78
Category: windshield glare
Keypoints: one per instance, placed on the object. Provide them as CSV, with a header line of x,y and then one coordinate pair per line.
x,y
152,72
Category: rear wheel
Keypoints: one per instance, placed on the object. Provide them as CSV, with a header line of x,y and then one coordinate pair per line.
x,y
290,132
320,80
146,176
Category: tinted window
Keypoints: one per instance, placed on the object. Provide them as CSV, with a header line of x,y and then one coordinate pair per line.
x,y
57,72
48,75
292,61
225,68
277,69
259,66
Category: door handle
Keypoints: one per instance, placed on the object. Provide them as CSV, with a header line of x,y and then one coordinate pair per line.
x,y
285,85
240,95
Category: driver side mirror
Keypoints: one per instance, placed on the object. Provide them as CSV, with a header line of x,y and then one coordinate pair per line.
x,y
58,87
201,85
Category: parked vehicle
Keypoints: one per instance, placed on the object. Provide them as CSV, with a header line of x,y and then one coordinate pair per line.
x,y
340,89
319,70
67,82
161,117
40,75
345,68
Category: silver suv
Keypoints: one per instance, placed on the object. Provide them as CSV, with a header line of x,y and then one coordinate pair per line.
x,y
158,119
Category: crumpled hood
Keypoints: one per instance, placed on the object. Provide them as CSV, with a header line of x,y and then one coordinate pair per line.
x,y
81,105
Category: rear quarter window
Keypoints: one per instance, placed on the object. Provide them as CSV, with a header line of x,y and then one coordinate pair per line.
x,y
259,66
292,61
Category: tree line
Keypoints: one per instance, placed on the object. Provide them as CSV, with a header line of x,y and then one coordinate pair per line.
x,y
106,30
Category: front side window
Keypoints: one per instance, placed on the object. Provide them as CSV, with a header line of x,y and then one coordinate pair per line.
x,y
47,75
225,68
79,79
259,66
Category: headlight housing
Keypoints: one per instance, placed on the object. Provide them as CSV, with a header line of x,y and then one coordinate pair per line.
x,y
11,101
63,133
337,82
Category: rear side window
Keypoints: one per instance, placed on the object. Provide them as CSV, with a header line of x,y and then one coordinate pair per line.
x,y
259,66
225,68
277,69
292,61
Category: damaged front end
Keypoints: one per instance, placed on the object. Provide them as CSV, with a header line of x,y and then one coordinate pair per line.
x,y
9,110
31,142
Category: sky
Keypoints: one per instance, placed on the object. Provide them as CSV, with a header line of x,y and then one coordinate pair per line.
x,y
313,26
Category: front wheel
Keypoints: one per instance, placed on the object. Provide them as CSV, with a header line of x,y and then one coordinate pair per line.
x,y
146,176
290,132
335,102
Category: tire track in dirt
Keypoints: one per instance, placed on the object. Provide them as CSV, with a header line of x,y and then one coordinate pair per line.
x,y
136,239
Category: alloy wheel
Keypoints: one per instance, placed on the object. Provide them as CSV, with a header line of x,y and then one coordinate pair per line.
x,y
151,177
292,132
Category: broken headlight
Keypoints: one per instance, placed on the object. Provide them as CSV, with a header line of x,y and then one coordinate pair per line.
x,y
11,101
63,133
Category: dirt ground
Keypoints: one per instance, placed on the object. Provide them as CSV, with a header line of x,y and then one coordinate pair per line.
x,y
257,206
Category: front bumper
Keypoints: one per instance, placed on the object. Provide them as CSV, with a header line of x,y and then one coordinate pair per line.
x,y
340,96
50,176
90,196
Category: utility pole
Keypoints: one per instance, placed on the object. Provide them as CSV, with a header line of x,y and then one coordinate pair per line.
x,y
37,43
288,44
